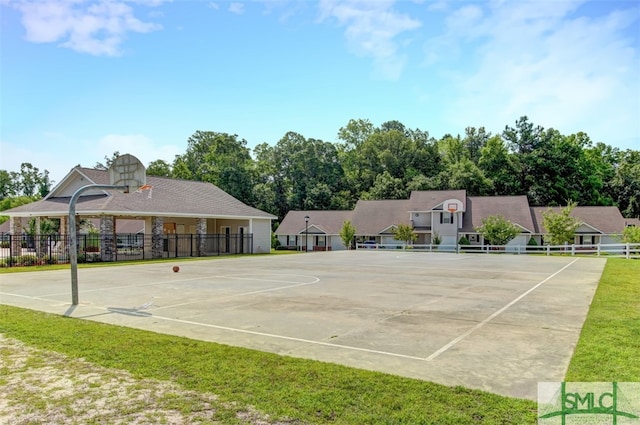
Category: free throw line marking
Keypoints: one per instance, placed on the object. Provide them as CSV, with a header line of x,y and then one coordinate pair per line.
x,y
494,315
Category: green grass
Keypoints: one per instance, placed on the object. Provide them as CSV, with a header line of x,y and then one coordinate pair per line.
x,y
609,344
284,387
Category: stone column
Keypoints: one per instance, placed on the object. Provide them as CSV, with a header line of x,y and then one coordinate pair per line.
x,y
16,235
64,225
201,233
39,240
108,238
157,237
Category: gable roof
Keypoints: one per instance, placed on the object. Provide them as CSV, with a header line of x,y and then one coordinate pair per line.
x,y
375,216
161,197
606,220
427,200
328,222
513,208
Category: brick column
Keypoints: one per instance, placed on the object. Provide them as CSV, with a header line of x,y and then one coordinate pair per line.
x,y
157,237
108,238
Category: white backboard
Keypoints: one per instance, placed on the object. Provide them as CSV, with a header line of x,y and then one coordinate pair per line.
x,y
127,170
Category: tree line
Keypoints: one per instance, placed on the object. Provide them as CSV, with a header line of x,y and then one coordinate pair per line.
x,y
390,161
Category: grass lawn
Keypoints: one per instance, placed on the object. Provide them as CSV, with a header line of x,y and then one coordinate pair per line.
x,y
306,391
609,345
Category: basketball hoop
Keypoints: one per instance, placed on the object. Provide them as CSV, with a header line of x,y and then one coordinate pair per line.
x,y
125,173
127,170
453,207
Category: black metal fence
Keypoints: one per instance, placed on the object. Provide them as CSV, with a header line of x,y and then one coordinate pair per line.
x,y
29,250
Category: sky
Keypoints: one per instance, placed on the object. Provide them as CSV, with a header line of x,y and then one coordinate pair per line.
x,y
80,80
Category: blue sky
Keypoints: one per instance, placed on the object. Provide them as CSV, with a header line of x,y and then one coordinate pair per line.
x,y
82,79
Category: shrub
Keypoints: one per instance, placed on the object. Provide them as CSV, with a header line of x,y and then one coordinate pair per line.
x,y
5,244
532,242
27,260
51,260
464,241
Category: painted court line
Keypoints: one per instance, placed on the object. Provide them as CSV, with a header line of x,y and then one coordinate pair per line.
x,y
495,314
288,338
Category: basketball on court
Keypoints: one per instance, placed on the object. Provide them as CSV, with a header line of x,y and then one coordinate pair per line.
x,y
176,269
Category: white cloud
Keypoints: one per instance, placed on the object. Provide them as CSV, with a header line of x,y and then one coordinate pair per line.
x,y
94,28
545,60
237,8
372,29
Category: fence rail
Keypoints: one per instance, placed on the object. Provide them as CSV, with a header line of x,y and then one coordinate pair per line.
x,y
626,250
28,250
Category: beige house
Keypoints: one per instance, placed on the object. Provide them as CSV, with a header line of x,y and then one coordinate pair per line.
x,y
447,214
175,217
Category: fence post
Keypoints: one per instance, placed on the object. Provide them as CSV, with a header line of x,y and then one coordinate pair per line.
x,y
628,246
573,250
598,249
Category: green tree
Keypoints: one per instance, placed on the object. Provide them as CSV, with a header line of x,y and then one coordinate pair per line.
x,y
107,161
497,230
497,165
386,187
626,183
561,227
347,233
7,184
159,168
221,159
631,234
355,133
474,141
306,172
31,182
464,174
405,233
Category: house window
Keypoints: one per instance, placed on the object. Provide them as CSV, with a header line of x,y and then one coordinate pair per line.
x,y
446,218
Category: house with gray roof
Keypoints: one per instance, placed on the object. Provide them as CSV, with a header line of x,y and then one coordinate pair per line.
x,y
599,224
177,217
313,230
447,215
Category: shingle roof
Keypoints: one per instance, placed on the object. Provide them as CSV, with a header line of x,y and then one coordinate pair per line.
x,y
426,200
163,197
607,220
513,208
329,222
632,221
373,217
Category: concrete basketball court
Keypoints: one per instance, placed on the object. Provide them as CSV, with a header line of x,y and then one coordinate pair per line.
x,y
500,323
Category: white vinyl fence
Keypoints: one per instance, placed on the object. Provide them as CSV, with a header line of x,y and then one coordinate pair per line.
x,y
626,250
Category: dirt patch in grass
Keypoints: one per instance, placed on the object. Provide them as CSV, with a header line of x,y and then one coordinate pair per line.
x,y
42,387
